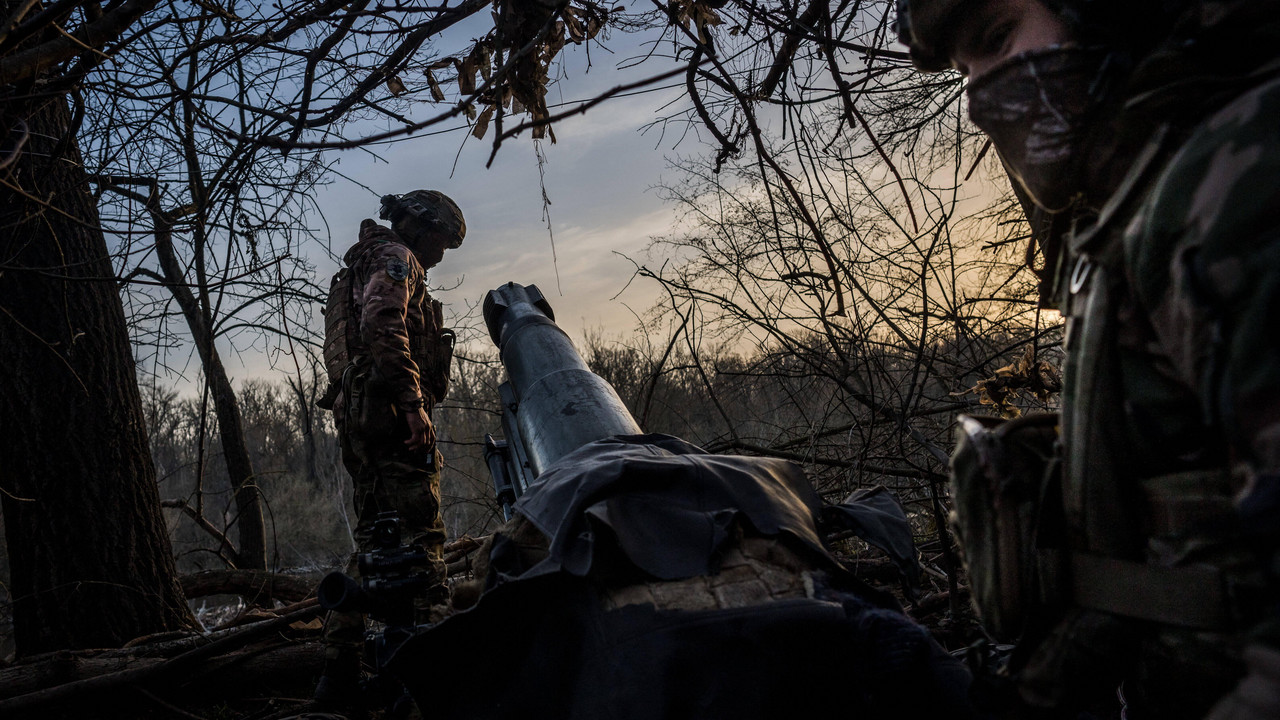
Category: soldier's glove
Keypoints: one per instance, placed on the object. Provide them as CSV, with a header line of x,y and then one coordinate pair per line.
x,y
422,434
1257,697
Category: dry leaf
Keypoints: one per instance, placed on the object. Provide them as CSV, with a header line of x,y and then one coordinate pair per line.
x,y
436,93
575,28
467,75
1024,374
396,86
482,124
313,624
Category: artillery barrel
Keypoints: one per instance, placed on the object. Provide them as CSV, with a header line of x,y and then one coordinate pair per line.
x,y
561,404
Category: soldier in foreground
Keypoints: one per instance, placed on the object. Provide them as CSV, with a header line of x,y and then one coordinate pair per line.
x,y
388,357
1142,139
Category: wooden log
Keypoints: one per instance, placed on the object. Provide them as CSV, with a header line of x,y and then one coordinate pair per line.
x,y
147,672
254,585
283,669
60,668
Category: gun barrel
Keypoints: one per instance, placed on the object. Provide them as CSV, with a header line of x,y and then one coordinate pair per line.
x,y
343,593
562,405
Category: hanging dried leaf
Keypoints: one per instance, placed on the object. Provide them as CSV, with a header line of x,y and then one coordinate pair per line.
x,y
470,111
396,86
467,75
1025,374
575,21
575,28
482,124
619,8
436,93
486,67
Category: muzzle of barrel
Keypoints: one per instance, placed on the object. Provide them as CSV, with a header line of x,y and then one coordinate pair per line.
x,y
342,593
561,404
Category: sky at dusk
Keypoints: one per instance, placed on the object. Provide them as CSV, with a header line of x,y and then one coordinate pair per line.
x,y
600,175
600,178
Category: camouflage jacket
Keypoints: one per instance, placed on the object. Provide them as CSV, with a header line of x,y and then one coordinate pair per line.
x,y
393,311
1171,402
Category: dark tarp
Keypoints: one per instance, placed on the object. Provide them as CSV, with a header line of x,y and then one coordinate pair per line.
x,y
876,516
540,644
668,505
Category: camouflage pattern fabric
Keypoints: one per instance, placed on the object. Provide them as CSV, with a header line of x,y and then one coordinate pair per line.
x,y
393,306
1205,263
1172,399
380,386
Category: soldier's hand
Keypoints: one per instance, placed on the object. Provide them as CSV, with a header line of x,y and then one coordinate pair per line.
x,y
422,434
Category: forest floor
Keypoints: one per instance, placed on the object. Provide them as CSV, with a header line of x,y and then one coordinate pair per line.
x,y
261,652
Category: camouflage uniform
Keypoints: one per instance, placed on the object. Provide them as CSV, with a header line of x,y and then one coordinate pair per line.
x,y
383,382
1171,404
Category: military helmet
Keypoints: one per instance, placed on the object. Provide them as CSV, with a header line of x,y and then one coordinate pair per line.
x,y
1130,26
416,213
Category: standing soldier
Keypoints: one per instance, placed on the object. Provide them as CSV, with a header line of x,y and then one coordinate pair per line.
x,y
1141,136
388,356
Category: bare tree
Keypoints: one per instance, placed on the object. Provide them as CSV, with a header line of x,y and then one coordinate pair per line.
x,y
843,265
89,556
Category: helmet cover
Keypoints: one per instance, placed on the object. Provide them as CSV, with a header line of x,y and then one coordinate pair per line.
x,y
417,213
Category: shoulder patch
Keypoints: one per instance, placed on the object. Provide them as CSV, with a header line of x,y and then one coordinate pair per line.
x,y
397,269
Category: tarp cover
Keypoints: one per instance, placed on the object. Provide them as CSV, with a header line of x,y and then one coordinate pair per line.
x,y
667,504
875,515
540,643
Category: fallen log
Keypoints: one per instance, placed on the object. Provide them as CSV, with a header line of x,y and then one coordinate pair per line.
x,y
256,586
134,670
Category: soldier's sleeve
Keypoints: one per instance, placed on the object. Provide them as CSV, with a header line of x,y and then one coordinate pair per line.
x,y
1208,267
392,272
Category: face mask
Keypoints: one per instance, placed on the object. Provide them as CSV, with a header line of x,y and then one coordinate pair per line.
x,y
1036,108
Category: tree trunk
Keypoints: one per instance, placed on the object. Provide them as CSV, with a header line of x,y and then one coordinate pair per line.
x,y
252,532
90,559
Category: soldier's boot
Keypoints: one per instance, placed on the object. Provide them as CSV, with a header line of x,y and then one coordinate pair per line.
x,y
340,687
